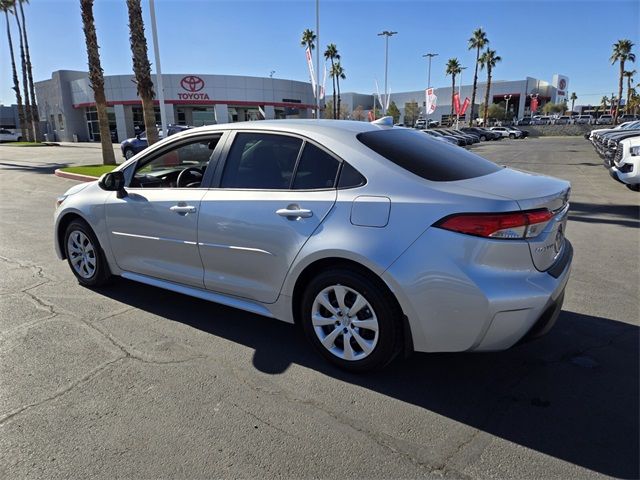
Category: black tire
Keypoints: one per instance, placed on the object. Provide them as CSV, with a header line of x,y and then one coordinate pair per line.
x,y
101,274
483,138
512,136
635,188
384,305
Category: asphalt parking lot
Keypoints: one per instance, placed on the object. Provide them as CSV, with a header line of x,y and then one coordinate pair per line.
x,y
135,382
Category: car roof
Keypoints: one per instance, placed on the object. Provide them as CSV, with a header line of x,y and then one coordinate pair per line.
x,y
301,126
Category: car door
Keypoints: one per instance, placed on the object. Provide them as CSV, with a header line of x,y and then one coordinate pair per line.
x,y
153,228
273,193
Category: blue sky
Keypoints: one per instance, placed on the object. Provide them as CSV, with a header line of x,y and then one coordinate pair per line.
x,y
534,38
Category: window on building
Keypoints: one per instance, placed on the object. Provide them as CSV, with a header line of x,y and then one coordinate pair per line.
x,y
138,118
60,121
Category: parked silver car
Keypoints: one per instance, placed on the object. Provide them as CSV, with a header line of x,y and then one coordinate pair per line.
x,y
376,239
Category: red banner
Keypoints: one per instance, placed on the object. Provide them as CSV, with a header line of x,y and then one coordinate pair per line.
x,y
456,103
465,105
370,116
534,104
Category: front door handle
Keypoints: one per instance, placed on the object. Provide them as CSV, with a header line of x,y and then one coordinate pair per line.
x,y
293,211
183,209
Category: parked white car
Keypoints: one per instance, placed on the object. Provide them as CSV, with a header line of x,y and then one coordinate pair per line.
x,y
584,120
626,163
507,132
9,136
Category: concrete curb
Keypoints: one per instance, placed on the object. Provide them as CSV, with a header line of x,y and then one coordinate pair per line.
x,y
74,176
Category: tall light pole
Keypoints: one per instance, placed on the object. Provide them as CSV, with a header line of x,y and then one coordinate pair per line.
x,y
430,55
156,51
386,34
317,92
506,109
426,112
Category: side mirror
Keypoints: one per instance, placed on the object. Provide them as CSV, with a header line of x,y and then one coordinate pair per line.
x,y
113,182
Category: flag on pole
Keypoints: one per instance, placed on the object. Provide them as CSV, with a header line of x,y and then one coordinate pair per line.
x,y
431,101
456,103
465,105
324,82
312,74
534,104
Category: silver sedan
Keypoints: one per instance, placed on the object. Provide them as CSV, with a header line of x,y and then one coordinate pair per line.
x,y
378,240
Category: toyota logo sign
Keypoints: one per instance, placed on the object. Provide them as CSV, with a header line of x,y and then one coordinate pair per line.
x,y
191,83
562,84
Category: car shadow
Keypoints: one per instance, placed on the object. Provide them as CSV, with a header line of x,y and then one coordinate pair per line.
x,y
47,168
572,394
624,215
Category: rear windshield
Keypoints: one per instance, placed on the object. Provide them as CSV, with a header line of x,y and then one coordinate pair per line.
x,y
426,157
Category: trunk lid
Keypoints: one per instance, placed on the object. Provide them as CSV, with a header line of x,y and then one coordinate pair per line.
x,y
532,191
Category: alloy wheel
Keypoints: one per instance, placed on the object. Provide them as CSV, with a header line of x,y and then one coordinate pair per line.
x,y
82,254
345,322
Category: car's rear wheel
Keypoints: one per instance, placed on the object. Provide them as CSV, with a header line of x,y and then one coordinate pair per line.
x,y
353,321
483,138
85,256
512,136
128,153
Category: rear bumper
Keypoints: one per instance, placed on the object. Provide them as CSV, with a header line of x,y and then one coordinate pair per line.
x,y
459,295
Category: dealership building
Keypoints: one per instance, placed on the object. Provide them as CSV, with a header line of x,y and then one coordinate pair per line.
x,y
519,93
67,106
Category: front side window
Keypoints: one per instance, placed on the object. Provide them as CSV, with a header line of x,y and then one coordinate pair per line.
x,y
183,166
261,161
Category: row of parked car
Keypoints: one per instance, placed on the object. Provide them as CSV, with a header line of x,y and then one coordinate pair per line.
x,y
619,147
575,119
469,135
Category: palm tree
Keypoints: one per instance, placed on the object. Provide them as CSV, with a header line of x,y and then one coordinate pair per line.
x,y
453,68
308,39
621,53
97,80
477,41
488,60
573,99
629,74
6,6
331,53
603,103
27,103
338,73
142,68
32,92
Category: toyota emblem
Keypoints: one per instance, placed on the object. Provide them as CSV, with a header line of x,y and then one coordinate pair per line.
x,y
191,83
559,237
563,84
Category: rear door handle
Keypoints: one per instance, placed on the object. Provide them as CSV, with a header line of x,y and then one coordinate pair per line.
x,y
293,213
183,209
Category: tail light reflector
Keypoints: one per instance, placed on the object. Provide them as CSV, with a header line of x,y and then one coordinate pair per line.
x,y
510,225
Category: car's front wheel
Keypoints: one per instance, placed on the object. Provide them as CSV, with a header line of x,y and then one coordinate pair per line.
x,y
352,320
85,256
512,136
483,138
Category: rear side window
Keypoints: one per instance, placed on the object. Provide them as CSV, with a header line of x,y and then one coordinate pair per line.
x,y
426,157
316,169
350,177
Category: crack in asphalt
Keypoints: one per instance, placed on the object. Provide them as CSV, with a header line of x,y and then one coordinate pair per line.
x,y
399,447
83,379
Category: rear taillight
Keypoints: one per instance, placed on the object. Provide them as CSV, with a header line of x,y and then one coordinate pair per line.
x,y
511,225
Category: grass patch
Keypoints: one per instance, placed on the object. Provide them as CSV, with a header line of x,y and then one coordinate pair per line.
x,y
25,144
90,170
